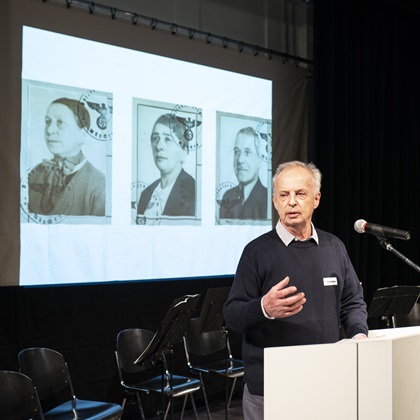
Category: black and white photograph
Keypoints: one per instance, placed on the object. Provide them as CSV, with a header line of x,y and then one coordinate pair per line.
x,y
243,193
162,180
66,154
166,163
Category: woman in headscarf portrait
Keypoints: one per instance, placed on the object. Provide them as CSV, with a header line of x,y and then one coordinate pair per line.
x,y
67,183
173,194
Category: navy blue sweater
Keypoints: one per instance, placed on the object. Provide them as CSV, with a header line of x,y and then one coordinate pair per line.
x,y
267,260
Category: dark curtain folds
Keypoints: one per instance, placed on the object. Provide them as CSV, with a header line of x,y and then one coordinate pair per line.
x,y
366,131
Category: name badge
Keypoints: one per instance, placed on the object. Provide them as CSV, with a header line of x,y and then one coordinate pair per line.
x,y
330,281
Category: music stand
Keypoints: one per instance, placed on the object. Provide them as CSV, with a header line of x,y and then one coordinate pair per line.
x,y
211,319
169,333
395,300
171,330
211,314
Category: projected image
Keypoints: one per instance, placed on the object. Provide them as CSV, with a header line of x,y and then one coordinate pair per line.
x,y
244,170
162,142
166,159
66,134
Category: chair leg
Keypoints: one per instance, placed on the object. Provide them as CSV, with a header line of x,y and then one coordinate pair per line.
x,y
167,410
183,406
140,406
231,392
205,396
193,405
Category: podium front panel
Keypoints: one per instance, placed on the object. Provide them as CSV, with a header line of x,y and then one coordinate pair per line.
x,y
389,375
311,382
375,380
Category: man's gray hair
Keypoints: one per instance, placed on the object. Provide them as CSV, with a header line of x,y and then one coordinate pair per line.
x,y
315,172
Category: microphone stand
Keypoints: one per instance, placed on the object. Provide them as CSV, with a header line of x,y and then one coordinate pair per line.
x,y
385,244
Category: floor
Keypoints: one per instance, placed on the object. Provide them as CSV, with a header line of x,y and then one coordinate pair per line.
x,y
217,411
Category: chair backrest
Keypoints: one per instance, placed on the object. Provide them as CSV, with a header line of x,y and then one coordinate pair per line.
x,y
203,344
130,344
49,372
18,397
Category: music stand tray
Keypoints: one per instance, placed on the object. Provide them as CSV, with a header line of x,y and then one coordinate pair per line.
x,y
393,300
171,330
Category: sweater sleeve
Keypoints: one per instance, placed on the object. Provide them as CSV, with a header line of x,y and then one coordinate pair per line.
x,y
242,310
353,307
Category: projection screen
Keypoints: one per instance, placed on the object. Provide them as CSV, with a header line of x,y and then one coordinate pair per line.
x,y
137,166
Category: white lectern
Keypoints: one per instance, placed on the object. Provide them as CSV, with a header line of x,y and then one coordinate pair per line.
x,y
373,379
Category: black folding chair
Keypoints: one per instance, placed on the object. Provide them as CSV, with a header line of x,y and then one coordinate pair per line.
x,y
18,397
142,378
50,374
209,353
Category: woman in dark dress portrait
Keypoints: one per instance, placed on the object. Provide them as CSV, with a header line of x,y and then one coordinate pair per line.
x,y
173,194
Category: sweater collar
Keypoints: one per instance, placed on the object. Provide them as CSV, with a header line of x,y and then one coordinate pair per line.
x,y
287,237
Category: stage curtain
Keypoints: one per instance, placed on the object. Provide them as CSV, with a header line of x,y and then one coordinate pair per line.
x,y
366,131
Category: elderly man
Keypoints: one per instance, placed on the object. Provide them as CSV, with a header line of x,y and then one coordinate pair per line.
x,y
294,285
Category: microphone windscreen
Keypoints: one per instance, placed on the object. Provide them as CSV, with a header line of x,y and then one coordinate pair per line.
x,y
359,226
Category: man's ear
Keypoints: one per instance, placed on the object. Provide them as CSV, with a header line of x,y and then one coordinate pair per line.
x,y
317,199
273,197
82,137
184,156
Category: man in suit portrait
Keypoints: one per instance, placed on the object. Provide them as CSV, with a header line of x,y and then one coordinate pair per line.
x,y
248,200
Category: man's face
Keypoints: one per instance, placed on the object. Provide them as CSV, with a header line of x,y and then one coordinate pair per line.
x,y
294,198
63,136
167,154
246,162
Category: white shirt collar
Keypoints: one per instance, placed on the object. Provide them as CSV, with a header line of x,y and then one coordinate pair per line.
x,y
248,188
287,237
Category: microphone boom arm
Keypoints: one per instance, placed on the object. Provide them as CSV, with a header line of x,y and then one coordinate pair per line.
x,y
385,244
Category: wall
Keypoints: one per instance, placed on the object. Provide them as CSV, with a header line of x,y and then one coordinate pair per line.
x,y
281,25
290,90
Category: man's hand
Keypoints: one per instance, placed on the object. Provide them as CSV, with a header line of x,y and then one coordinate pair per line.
x,y
360,336
282,301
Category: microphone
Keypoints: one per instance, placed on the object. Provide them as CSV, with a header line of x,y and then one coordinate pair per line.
x,y
361,226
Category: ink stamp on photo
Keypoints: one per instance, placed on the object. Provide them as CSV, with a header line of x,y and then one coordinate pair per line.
x,y
263,141
30,190
100,109
151,214
191,119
